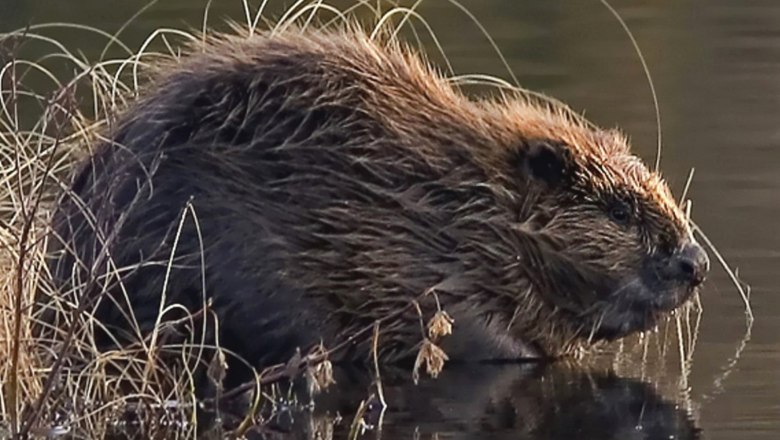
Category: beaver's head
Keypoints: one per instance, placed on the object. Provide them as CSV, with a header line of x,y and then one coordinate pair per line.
x,y
609,246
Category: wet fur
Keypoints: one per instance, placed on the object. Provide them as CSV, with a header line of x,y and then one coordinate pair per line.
x,y
316,181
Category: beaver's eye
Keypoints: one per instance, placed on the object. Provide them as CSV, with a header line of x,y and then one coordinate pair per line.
x,y
619,213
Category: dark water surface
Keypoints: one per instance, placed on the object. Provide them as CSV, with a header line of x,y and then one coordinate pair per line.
x,y
716,64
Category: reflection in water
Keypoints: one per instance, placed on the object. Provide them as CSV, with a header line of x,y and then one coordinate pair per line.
x,y
525,401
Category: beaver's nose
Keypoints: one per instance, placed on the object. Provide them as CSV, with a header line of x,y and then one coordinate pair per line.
x,y
691,263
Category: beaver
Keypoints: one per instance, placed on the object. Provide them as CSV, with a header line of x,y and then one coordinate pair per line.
x,y
305,183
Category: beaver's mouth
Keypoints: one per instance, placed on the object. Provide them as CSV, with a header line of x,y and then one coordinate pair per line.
x,y
663,283
638,304
640,308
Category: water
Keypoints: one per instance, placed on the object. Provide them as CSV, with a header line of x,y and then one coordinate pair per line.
x,y
716,65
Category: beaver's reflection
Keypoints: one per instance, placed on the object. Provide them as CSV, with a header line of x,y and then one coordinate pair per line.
x,y
509,401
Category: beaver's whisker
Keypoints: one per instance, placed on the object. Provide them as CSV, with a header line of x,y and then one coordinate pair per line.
x,y
597,324
633,282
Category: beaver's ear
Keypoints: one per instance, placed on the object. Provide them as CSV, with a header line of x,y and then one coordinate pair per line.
x,y
548,161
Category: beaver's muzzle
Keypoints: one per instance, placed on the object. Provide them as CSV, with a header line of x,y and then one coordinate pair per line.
x,y
689,264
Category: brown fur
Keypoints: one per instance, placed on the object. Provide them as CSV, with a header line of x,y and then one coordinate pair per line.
x,y
336,178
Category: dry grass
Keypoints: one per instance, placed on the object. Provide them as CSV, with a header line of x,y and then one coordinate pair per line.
x,y
61,383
